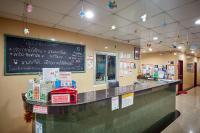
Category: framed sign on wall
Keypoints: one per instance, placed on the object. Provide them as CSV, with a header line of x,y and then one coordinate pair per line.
x,y
29,55
190,67
137,53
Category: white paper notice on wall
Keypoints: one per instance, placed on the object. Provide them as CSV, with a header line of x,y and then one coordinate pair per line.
x,y
90,62
50,74
121,65
38,127
127,100
65,76
115,103
121,55
121,73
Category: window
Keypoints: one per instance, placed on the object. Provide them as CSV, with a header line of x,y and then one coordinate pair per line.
x,y
111,67
105,67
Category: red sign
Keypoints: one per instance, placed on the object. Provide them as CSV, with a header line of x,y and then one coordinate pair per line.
x,y
40,109
60,98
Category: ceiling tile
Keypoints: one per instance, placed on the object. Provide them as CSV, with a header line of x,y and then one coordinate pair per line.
x,y
195,30
128,37
135,11
61,6
98,13
114,34
170,4
75,23
45,15
10,15
189,11
190,23
39,22
112,20
96,29
132,29
174,27
12,7
156,21
121,4
66,28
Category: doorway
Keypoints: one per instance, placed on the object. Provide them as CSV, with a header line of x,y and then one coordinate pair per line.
x,y
180,75
195,74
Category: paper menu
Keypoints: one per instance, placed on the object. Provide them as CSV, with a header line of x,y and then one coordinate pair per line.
x,y
50,74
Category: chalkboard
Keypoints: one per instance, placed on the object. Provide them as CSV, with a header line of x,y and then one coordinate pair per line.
x,y
29,55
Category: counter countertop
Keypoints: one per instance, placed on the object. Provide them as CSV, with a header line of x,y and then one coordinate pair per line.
x,y
92,96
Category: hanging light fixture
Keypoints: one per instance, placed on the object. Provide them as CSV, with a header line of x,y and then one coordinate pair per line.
x,y
144,16
112,4
27,9
164,23
29,6
82,12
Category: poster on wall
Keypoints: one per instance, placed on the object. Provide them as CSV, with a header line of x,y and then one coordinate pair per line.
x,y
190,67
137,53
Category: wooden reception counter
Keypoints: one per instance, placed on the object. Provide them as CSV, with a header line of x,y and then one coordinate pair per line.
x,y
141,107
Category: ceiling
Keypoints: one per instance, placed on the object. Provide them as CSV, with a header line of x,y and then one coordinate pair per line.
x,y
172,21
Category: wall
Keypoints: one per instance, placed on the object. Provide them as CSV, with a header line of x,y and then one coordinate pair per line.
x,y
188,77
156,58
11,87
198,72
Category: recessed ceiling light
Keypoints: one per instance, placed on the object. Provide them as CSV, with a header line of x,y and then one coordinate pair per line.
x,y
53,39
179,47
150,49
89,14
155,38
197,22
113,27
192,52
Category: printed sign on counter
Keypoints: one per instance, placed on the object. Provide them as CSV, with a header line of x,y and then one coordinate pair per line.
x,y
115,103
60,98
38,127
50,74
127,99
40,109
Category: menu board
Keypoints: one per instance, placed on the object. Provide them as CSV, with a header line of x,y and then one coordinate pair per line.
x,y
28,55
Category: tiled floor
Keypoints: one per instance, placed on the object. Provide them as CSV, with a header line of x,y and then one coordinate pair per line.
x,y
189,106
